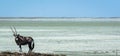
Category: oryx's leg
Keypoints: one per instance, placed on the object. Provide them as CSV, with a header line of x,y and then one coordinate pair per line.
x,y
20,48
29,45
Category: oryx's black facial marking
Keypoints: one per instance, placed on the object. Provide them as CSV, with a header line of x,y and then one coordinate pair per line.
x,y
22,40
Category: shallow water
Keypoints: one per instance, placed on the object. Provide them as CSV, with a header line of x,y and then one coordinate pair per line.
x,y
62,35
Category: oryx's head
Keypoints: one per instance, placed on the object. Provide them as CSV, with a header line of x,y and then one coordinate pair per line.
x,y
14,31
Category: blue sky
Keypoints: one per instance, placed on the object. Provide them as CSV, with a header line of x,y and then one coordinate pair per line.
x,y
59,8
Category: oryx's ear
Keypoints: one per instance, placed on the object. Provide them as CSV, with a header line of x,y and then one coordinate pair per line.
x,y
18,34
14,34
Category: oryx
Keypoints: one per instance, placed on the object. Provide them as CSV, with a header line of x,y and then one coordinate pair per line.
x,y
22,40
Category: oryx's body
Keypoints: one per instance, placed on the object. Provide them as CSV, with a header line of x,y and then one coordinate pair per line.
x,y
21,40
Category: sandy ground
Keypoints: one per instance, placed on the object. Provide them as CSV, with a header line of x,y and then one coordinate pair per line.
x,y
27,54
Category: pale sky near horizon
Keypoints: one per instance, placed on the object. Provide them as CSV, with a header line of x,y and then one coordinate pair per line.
x,y
59,8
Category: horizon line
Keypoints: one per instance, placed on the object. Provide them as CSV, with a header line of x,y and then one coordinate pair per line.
x,y
55,17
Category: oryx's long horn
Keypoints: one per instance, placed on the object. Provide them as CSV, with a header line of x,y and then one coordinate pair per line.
x,y
15,30
12,29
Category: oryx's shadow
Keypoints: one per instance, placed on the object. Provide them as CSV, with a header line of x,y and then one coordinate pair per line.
x,y
22,40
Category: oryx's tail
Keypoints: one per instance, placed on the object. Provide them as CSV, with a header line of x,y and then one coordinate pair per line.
x,y
32,45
